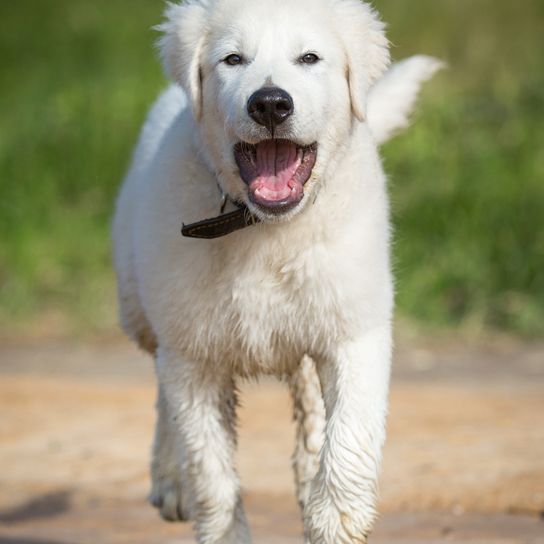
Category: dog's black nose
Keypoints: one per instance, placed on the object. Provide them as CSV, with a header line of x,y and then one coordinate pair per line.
x,y
270,106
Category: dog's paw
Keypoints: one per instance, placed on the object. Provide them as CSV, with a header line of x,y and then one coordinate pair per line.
x,y
169,497
324,523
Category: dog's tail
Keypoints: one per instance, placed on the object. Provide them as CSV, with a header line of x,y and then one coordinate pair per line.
x,y
393,97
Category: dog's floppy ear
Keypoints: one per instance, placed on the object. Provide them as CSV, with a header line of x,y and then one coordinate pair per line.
x,y
184,34
367,49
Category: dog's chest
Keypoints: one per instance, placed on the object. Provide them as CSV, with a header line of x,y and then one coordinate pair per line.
x,y
262,313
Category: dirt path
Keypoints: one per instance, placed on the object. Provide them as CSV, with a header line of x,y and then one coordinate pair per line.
x,y
464,460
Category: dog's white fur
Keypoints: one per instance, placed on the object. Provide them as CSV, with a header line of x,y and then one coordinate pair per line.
x,y
306,296
392,98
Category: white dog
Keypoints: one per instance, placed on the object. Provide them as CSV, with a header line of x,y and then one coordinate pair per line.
x,y
279,118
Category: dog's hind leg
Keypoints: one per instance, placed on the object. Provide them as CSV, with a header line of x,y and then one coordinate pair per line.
x,y
170,492
201,404
309,414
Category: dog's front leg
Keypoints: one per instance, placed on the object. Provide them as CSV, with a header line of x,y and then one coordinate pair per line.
x,y
201,403
355,382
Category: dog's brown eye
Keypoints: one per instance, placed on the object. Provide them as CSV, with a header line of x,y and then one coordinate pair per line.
x,y
309,58
233,60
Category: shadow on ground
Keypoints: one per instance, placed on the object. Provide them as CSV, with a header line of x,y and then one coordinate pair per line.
x,y
14,540
44,506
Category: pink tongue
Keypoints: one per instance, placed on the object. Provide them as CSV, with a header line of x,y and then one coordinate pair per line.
x,y
277,162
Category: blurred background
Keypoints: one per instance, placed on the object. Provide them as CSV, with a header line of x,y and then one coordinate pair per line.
x,y
467,189
466,181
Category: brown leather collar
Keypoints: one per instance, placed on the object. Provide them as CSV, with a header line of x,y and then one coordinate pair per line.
x,y
221,225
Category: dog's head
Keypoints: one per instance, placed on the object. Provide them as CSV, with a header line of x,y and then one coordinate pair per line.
x,y
275,87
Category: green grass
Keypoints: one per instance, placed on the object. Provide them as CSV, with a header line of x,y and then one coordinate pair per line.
x,y
467,181
77,78
468,178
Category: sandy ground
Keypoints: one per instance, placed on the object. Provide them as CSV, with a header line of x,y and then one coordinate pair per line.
x,y
464,460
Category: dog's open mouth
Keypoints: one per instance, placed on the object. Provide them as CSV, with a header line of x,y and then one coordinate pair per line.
x,y
275,172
